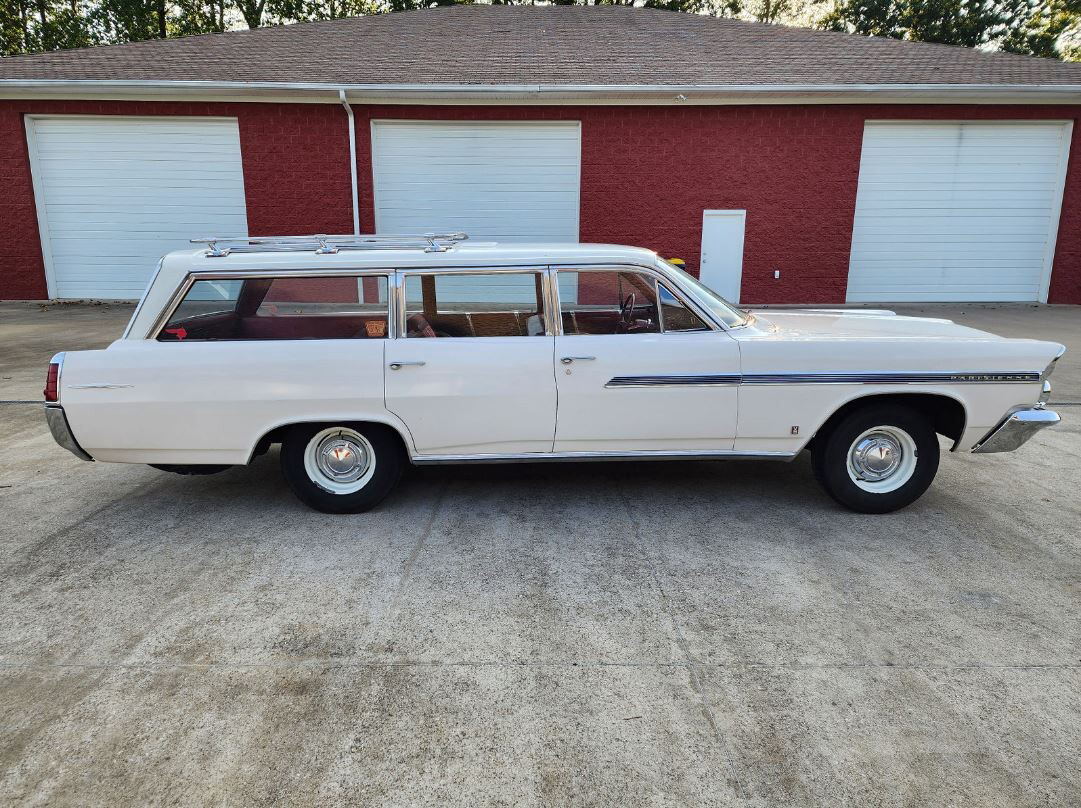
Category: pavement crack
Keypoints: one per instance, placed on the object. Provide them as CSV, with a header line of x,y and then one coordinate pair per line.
x,y
392,606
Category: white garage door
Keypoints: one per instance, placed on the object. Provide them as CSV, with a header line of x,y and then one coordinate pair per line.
x,y
496,181
115,194
958,211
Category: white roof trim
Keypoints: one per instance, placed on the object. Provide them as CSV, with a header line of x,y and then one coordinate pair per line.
x,y
544,93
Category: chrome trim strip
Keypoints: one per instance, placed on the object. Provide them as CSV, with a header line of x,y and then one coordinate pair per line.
x,y
675,381
99,386
1015,429
61,431
698,380
961,377
545,457
552,323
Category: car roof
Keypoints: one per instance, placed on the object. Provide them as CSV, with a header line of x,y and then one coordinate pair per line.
x,y
461,256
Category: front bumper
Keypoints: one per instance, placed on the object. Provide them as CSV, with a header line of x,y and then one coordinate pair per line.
x,y
1015,429
58,425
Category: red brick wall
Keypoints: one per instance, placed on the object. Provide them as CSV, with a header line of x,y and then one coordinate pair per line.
x,y
296,174
647,174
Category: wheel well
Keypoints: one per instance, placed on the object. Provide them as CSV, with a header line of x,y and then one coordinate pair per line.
x,y
277,435
947,415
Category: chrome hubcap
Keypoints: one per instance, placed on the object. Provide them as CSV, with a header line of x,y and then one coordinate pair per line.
x,y
342,459
876,456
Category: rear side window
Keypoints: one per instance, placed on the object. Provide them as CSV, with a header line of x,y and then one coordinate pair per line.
x,y
349,307
464,304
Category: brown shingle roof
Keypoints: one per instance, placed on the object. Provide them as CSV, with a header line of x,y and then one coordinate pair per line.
x,y
561,45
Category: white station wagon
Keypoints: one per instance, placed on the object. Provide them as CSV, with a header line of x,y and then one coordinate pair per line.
x,y
360,354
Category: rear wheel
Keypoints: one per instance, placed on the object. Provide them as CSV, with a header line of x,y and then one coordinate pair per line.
x,y
341,468
878,458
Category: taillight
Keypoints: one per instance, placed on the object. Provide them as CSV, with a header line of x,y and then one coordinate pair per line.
x,y
52,379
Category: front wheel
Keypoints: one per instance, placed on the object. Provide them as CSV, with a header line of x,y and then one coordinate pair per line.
x,y
878,458
341,468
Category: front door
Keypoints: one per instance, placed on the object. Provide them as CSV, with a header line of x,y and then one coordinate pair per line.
x,y
721,268
638,370
472,372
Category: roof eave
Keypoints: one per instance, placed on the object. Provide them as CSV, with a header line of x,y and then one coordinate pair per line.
x,y
318,92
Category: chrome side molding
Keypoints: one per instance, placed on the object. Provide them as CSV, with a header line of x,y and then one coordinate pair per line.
x,y
547,457
704,379
1015,429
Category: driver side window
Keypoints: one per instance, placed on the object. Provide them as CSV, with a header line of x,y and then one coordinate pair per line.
x,y
608,302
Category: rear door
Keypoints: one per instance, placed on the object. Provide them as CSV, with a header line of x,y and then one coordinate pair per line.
x,y
471,370
638,370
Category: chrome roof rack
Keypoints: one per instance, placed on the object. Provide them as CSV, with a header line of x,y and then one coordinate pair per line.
x,y
322,244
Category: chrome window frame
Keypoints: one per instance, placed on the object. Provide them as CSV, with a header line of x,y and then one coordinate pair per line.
x,y
190,278
142,300
536,269
655,275
660,310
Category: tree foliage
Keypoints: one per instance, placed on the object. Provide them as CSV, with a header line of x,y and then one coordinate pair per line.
x,y
1039,27
1035,27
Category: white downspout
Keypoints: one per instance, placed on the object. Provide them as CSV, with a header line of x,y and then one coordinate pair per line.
x,y
352,162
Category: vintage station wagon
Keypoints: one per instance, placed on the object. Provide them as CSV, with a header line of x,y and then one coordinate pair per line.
x,y
361,354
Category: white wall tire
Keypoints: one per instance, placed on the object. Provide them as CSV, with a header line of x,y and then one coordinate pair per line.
x,y
342,468
882,459
878,458
340,460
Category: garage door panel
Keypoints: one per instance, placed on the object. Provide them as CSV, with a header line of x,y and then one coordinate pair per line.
x,y
508,182
956,211
115,194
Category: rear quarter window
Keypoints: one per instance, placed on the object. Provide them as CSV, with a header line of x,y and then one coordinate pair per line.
x,y
283,308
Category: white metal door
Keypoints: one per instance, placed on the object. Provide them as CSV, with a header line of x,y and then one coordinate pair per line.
x,y
721,267
501,181
115,194
473,395
646,392
957,211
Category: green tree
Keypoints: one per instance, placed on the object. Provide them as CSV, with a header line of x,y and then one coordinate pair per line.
x,y
307,10
38,25
1045,28
130,20
1021,26
189,17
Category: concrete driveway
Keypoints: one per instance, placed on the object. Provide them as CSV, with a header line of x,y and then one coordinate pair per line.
x,y
614,634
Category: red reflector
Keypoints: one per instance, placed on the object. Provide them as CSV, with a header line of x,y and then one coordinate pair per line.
x,y
51,392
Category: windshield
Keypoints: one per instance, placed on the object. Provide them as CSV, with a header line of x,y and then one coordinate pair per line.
x,y
724,311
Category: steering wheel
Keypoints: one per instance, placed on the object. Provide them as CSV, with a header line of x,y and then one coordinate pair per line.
x,y
626,311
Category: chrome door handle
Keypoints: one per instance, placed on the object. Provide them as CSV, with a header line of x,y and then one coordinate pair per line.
x,y
400,365
566,360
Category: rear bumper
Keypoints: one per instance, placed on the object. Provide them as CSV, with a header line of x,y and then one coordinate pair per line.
x,y
58,425
1015,429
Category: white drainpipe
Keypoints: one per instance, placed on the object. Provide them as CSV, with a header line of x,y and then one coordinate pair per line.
x,y
352,162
